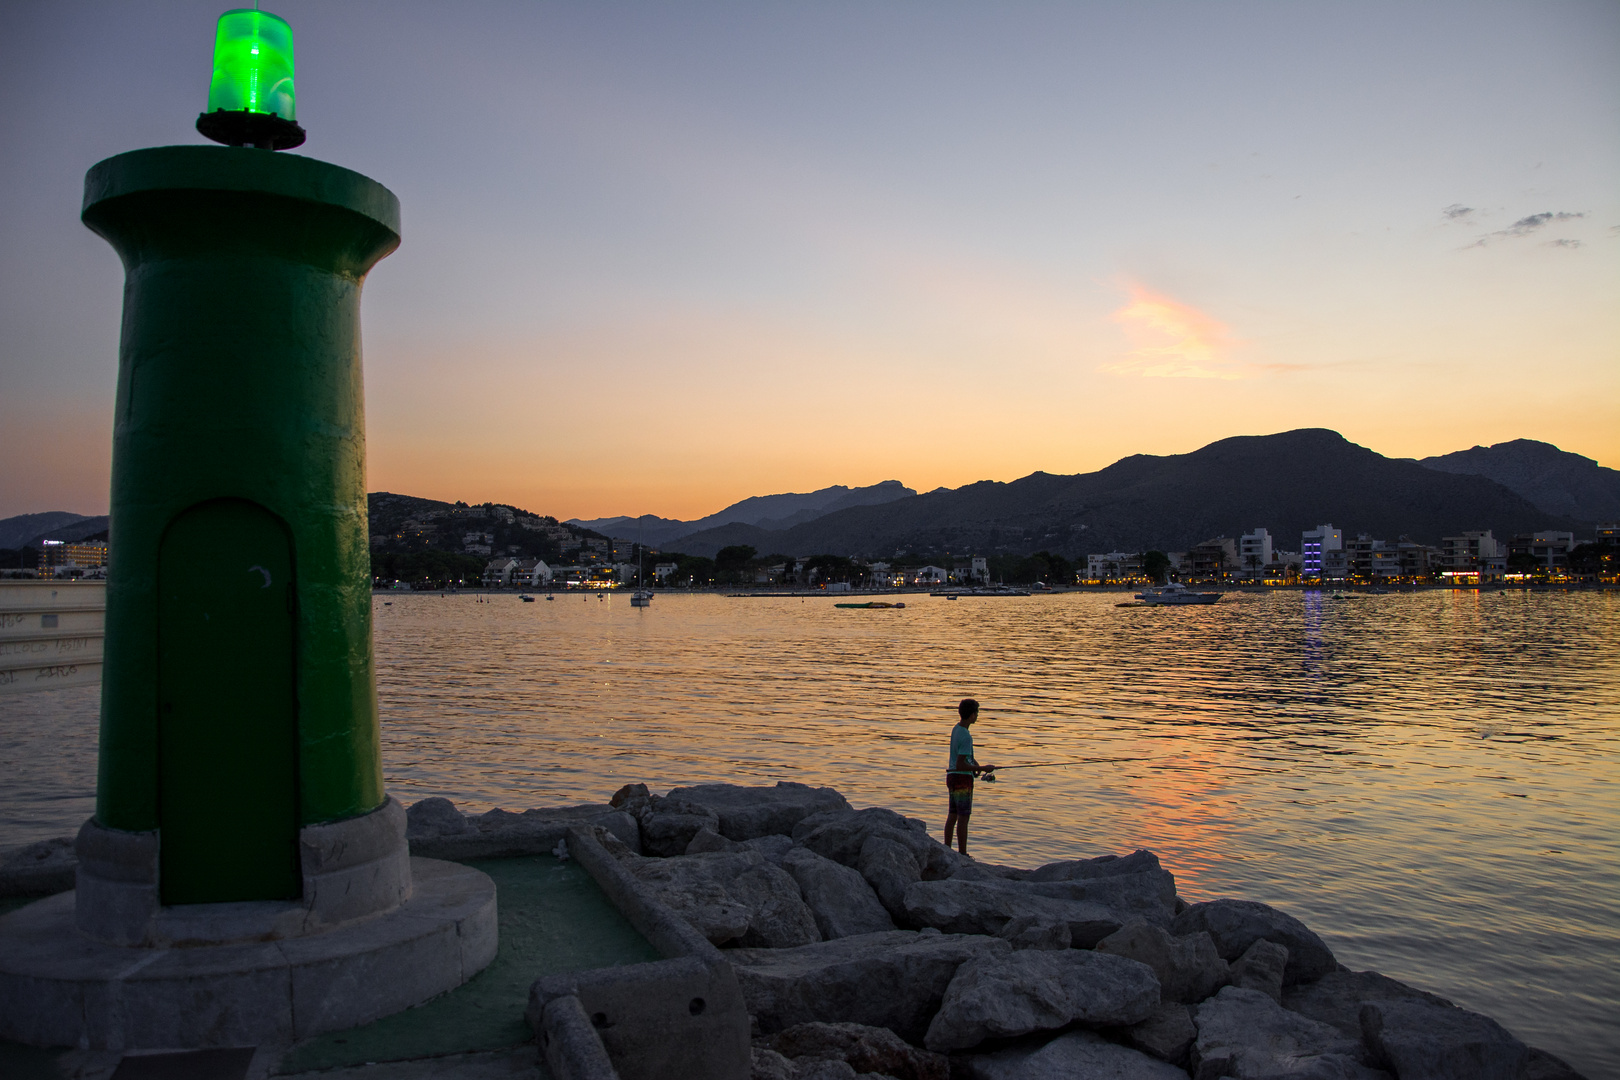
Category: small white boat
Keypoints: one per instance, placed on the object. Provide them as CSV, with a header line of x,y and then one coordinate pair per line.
x,y
641,598
1175,593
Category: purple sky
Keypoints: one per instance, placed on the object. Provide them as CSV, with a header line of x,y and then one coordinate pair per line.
x,y
660,257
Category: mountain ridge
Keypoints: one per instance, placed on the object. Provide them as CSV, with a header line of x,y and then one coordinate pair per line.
x,y
770,512
1286,482
1553,480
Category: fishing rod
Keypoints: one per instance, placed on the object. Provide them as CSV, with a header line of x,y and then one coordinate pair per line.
x,y
991,778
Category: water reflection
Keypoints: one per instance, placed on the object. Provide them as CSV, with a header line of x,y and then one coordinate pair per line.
x,y
1423,777
1426,779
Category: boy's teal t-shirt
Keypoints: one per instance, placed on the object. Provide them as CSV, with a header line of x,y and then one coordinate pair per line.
x,y
961,743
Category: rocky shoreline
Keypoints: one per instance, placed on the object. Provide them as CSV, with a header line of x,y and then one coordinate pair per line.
x,y
863,946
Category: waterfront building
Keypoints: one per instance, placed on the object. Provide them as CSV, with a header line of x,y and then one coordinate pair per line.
x,y
1369,559
1314,545
1213,559
84,555
570,575
1416,560
931,575
662,570
974,571
498,572
1549,549
1113,566
1254,552
1475,554
1283,564
883,576
533,573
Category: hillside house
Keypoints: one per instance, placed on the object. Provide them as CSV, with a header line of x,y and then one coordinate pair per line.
x,y
498,572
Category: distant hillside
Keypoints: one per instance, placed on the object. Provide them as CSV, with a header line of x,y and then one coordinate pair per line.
x,y
405,524
1551,479
23,529
1285,483
764,511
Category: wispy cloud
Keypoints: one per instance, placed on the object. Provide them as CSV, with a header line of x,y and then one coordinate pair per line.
x,y
1457,211
1533,223
1564,243
1527,225
1172,340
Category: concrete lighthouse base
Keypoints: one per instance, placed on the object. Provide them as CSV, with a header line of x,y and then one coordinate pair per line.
x,y
104,968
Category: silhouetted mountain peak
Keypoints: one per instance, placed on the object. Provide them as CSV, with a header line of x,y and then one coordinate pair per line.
x,y
1553,480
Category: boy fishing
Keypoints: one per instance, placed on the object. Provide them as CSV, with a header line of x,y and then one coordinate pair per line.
x,y
960,773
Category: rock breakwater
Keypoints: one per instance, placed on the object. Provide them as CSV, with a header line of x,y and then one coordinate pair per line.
x,y
863,946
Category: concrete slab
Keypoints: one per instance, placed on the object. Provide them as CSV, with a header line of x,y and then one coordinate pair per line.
x,y
553,919
520,1063
59,987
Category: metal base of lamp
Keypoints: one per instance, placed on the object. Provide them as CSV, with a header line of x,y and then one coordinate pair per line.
x,y
267,131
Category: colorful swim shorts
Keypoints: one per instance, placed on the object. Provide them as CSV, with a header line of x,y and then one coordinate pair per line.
x,y
960,789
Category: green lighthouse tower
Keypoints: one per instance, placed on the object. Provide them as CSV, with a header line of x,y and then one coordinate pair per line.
x,y
240,809
238,695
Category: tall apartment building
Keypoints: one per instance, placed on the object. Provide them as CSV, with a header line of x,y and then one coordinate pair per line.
x,y
1315,545
1416,560
87,554
1476,551
1369,558
1254,552
1549,549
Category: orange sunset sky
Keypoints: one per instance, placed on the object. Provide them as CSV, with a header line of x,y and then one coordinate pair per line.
x,y
660,259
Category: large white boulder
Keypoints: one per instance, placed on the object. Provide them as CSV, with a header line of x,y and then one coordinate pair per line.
x,y
841,900
890,869
745,813
1245,1035
986,907
1420,1040
1038,990
893,980
840,837
731,896
1188,968
1236,924
866,1049
1078,1055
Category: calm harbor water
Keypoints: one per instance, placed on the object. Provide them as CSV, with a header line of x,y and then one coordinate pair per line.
x,y
1427,780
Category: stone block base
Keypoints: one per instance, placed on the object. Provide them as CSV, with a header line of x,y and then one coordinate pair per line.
x,y
60,987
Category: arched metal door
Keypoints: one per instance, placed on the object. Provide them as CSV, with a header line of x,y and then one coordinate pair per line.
x,y
227,707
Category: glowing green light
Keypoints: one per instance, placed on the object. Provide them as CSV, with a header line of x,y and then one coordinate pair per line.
x,y
253,65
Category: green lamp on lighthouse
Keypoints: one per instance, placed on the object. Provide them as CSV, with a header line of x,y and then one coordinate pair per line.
x,y
239,797
251,99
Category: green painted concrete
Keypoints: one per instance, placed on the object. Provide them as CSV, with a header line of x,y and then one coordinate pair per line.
x,y
228,712
239,378
553,918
